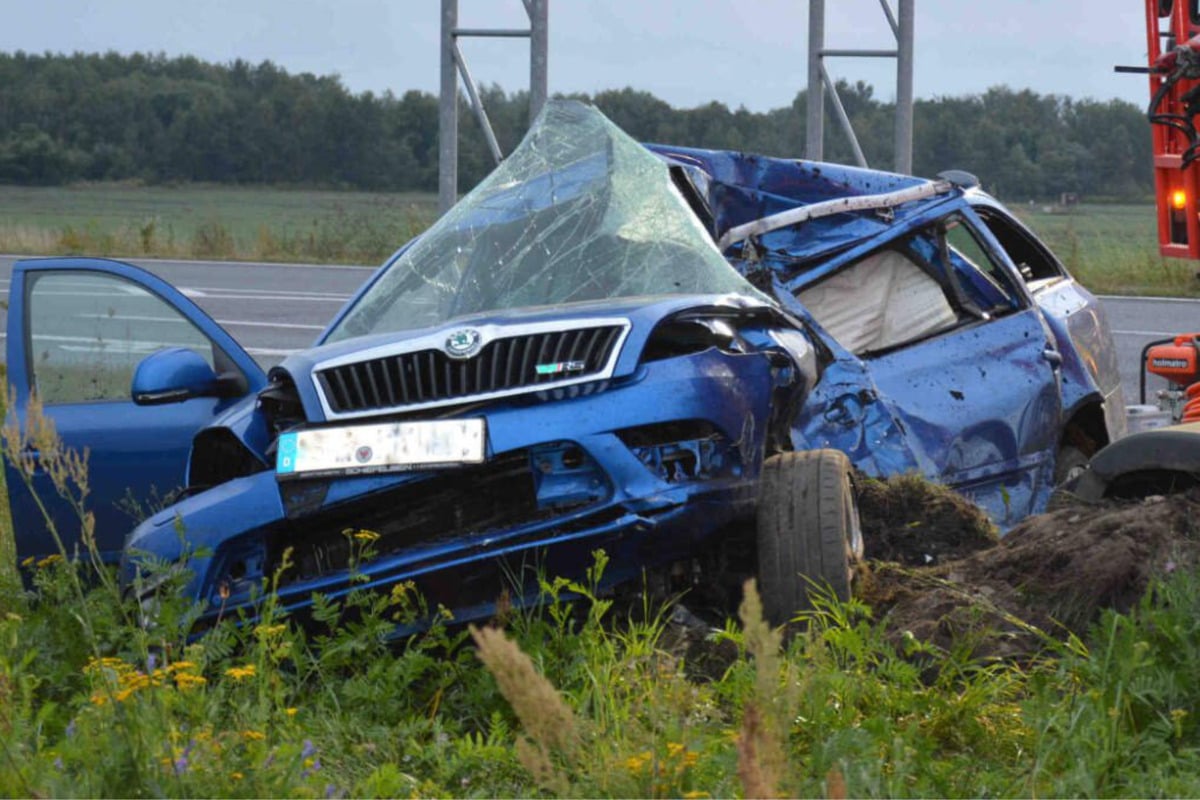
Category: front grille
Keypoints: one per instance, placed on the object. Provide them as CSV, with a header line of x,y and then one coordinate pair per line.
x,y
430,376
458,502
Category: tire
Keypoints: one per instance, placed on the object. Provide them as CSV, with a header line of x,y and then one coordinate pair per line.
x,y
807,527
1069,463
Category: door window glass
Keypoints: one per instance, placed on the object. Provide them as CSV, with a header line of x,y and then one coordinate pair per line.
x,y
89,331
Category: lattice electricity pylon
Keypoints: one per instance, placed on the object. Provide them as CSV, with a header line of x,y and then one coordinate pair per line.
x,y
454,65
901,23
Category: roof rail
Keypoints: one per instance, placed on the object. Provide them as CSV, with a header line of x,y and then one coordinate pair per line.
x,y
794,216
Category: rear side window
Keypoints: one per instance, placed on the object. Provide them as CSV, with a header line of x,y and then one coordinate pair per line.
x,y
1032,258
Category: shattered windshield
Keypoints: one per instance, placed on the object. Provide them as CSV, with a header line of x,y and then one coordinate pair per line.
x,y
579,212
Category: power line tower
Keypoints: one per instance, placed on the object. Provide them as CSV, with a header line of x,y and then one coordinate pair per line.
x,y
454,65
901,23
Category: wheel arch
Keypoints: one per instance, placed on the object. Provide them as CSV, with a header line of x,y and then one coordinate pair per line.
x,y
1155,461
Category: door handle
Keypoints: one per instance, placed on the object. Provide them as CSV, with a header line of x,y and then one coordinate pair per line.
x,y
1054,357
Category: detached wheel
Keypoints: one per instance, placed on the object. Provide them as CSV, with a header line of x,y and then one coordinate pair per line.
x,y
807,528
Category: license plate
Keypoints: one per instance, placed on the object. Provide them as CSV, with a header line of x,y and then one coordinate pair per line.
x,y
393,447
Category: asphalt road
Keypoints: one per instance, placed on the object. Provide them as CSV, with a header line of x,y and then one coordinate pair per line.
x,y
273,309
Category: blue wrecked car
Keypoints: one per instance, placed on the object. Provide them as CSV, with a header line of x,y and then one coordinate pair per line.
x,y
678,356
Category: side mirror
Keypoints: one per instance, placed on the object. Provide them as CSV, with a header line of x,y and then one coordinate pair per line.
x,y
172,375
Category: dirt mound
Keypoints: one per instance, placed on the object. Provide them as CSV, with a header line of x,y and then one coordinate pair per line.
x,y
1052,571
908,520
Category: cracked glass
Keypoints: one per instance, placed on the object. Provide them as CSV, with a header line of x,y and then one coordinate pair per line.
x,y
580,212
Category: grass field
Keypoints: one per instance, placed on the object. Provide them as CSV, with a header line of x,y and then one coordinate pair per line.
x,y
1110,248
210,222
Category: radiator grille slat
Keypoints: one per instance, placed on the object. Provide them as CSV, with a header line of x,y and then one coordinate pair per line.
x,y
504,364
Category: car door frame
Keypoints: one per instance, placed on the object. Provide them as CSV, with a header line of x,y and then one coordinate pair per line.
x,y
20,353
849,411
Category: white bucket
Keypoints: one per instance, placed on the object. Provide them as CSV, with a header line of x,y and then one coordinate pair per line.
x,y
1145,418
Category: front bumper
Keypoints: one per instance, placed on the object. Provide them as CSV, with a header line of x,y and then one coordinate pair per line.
x,y
646,470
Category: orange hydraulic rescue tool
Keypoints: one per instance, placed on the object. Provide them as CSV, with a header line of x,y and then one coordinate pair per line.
x,y
1177,360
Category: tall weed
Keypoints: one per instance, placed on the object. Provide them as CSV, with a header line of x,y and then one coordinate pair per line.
x,y
105,693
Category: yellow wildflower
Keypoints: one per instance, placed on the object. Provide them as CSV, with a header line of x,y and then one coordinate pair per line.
x,y
400,590
291,712
237,776
99,699
674,749
254,736
180,666
186,680
695,795
365,536
107,663
123,695
28,562
638,763
237,673
267,631
53,558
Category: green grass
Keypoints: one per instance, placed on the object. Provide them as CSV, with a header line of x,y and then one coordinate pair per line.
x,y
102,697
209,222
1112,249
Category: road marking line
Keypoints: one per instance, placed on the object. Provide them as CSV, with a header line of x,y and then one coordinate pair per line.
x,y
1145,333
280,297
1107,297
201,290
269,351
188,263
252,324
241,323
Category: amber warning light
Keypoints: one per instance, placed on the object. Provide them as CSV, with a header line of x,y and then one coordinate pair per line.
x,y
1177,201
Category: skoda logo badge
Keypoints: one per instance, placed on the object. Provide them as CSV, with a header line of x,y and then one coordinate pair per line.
x,y
462,344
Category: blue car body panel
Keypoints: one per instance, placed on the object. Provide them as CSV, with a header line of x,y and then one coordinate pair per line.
x,y
660,448
136,453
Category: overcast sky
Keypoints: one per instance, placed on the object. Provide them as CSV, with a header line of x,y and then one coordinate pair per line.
x,y
688,52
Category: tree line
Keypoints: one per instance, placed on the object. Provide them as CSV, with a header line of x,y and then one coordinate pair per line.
x,y
99,117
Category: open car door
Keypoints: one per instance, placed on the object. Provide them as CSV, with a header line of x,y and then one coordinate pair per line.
x,y
78,328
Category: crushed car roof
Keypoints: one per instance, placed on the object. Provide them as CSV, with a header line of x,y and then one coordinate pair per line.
x,y
741,188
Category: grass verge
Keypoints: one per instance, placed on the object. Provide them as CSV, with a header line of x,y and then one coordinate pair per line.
x,y
248,223
104,693
1111,248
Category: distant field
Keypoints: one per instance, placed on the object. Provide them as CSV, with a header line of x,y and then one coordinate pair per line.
x,y
210,222
1110,248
